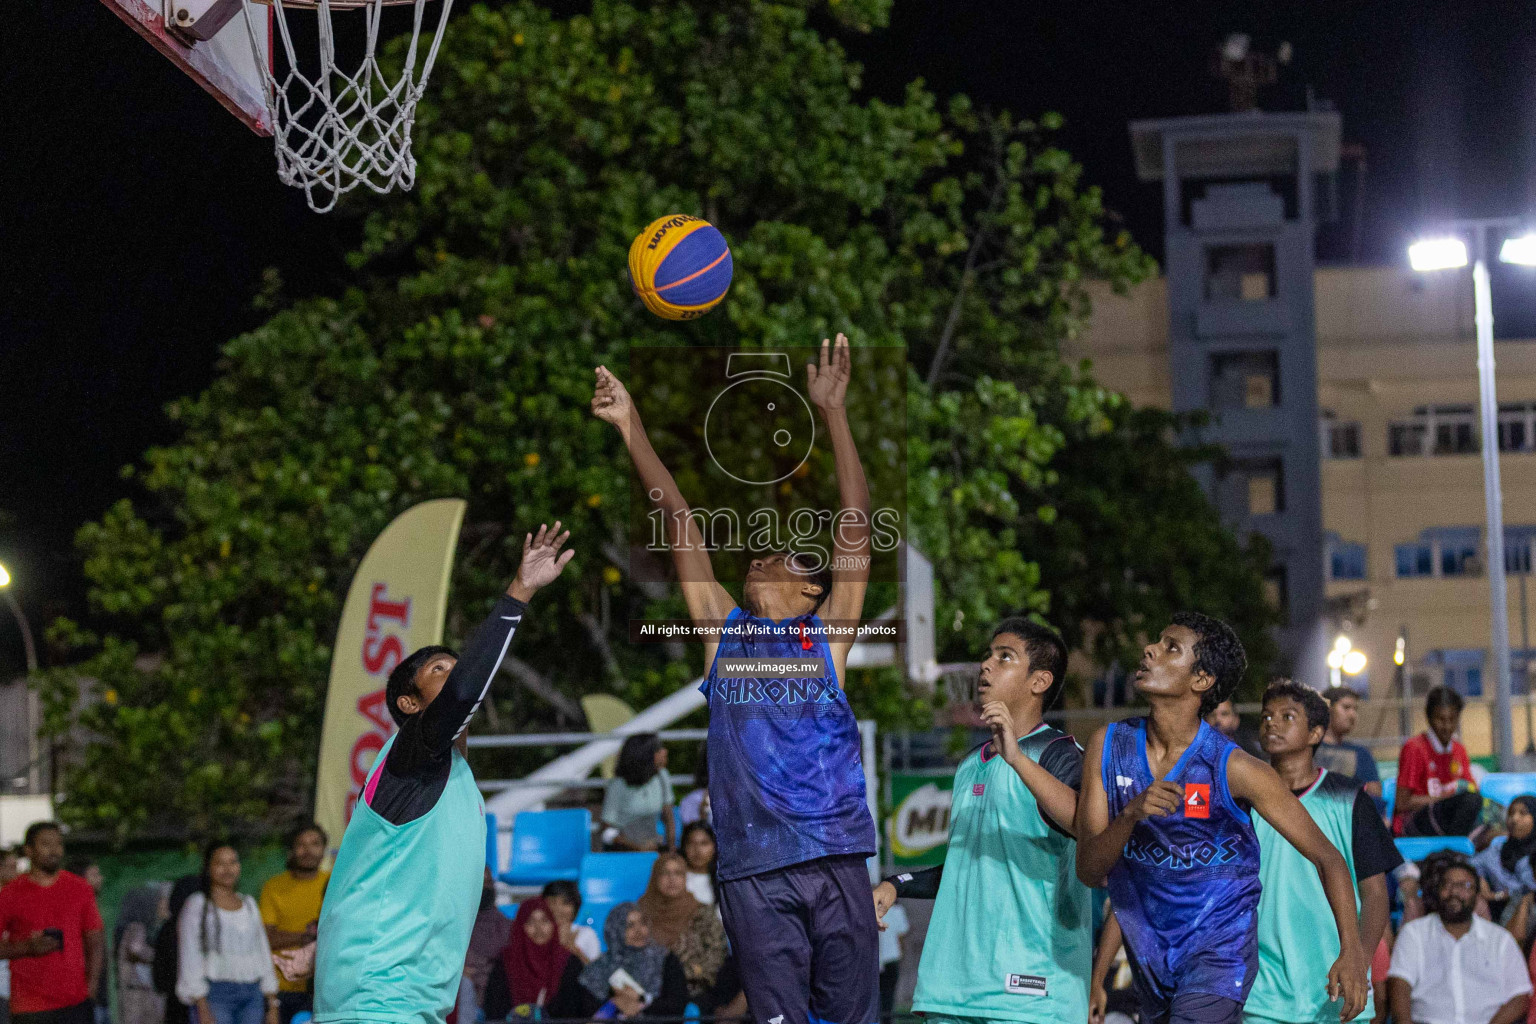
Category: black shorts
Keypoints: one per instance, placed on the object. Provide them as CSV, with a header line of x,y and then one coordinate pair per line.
x,y
80,1013
806,943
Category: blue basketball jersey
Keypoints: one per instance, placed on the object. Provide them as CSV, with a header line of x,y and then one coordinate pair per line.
x,y
1186,890
786,775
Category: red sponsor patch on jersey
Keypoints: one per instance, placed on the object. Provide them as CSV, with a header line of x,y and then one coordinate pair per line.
x,y
1197,800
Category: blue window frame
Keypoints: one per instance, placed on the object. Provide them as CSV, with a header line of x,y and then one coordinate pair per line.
x,y
1417,559
1346,559
1442,551
1462,669
1458,551
1518,541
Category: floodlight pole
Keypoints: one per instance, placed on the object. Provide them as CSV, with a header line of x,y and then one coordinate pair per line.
x,y
1493,497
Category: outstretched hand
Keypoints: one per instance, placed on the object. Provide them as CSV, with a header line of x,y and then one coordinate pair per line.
x,y
542,561
610,401
828,382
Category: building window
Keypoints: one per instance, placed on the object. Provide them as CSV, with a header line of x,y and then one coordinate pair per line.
x,y
1346,560
1447,551
1416,559
1461,670
1341,439
1518,541
1435,430
1250,487
1240,273
1458,553
1245,380
1276,592
1517,427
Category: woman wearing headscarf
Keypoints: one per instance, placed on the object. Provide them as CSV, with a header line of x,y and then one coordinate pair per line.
x,y
693,933
139,919
1505,867
534,960
652,984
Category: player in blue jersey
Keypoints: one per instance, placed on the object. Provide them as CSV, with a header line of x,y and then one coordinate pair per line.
x,y
786,776
401,903
1163,818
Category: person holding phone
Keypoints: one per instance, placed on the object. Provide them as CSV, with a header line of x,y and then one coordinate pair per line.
x,y
51,932
635,977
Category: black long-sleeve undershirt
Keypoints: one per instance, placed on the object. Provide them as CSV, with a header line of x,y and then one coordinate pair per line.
x,y
421,758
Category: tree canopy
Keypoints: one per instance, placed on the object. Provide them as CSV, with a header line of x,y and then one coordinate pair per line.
x,y
460,364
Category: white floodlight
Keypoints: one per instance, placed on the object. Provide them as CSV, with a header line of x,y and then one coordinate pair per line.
x,y
1354,662
1437,254
1521,250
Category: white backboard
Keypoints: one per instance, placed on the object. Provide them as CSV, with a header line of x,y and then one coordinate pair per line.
x,y
225,65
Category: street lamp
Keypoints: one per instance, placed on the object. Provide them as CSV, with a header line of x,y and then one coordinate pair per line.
x,y
21,620
1447,253
1344,660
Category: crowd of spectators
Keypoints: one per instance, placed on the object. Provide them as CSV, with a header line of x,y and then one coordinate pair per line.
x,y
198,951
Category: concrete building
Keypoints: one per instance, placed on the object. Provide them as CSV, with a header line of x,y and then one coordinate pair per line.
x,y
1240,210
1398,447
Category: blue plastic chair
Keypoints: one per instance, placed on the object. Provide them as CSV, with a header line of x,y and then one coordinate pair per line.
x,y
508,909
608,879
1417,848
1389,794
548,845
1502,787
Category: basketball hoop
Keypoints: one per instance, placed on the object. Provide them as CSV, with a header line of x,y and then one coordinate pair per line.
x,y
335,130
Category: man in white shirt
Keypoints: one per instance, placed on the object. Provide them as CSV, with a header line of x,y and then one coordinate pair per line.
x,y
1452,967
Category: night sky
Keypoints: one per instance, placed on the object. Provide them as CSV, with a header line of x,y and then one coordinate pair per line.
x,y
138,217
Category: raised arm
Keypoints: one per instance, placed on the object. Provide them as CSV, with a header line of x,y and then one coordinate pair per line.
x,y
1252,780
1053,781
827,384
431,734
1100,841
708,602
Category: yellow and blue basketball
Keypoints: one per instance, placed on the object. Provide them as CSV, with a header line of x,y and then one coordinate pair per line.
x,y
680,267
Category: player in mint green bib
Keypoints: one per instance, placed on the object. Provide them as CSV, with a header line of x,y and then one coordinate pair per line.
x,y
1297,937
1011,934
395,924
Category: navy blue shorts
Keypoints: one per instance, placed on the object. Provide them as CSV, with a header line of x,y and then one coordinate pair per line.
x,y
806,943
1191,1008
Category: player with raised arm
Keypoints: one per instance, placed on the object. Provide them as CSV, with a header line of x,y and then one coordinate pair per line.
x,y
395,924
1012,927
1163,818
786,778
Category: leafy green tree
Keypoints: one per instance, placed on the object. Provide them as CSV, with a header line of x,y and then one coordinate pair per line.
x,y
461,362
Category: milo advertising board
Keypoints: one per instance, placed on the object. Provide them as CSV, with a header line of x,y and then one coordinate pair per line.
x,y
918,828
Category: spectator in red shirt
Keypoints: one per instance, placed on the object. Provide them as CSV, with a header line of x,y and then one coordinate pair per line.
x,y
1436,795
50,930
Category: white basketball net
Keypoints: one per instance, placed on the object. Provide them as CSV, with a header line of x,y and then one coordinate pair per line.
x,y
335,130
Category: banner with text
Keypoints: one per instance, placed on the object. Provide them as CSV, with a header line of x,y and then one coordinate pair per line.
x,y
396,604
918,828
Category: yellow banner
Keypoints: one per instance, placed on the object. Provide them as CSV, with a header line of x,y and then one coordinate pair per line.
x,y
395,605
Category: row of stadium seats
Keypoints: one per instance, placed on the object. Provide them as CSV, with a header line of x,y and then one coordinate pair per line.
x,y
556,845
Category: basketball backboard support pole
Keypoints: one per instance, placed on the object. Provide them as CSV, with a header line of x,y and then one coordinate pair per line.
x,y
920,648
225,65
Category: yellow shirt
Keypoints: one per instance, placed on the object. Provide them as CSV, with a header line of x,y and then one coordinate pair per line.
x,y
292,904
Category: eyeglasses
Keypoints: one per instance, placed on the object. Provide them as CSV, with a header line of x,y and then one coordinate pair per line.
x,y
1458,886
